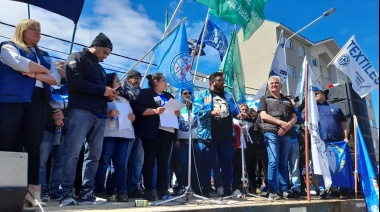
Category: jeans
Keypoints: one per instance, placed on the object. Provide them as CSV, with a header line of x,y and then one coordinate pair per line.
x,y
58,154
116,149
294,156
195,167
225,150
135,164
83,126
278,148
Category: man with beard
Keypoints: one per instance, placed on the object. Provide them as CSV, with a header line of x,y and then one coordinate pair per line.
x,y
136,158
215,109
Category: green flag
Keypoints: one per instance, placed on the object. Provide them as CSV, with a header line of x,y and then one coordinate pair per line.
x,y
232,68
248,13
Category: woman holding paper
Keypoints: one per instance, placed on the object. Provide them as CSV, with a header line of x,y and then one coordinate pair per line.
x,y
156,139
115,143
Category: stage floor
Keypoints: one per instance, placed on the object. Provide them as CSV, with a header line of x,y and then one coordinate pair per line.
x,y
232,204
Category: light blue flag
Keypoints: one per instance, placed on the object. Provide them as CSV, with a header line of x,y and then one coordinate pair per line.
x,y
215,38
174,60
340,164
367,174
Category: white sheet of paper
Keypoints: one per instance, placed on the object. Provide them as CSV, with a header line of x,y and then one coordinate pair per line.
x,y
168,118
124,109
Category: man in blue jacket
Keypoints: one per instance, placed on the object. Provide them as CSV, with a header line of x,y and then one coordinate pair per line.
x,y
215,109
88,96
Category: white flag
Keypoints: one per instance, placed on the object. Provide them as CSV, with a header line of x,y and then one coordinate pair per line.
x,y
318,149
279,66
300,91
352,61
259,94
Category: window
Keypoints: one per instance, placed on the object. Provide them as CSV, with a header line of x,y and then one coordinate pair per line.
x,y
371,123
314,61
375,144
368,102
341,75
291,71
289,44
326,73
301,51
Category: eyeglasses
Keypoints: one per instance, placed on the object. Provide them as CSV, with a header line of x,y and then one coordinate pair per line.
x,y
186,93
220,80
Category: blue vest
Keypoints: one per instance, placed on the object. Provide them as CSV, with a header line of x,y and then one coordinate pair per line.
x,y
15,87
330,127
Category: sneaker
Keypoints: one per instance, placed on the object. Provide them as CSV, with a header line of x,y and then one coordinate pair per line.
x,y
150,195
220,191
324,195
56,196
273,196
135,194
292,195
67,199
227,194
91,199
344,194
166,197
44,196
122,197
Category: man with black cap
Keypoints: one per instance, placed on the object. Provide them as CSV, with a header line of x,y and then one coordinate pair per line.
x,y
88,96
333,129
136,158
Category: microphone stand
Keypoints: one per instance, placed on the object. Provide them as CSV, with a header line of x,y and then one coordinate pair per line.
x,y
188,191
244,174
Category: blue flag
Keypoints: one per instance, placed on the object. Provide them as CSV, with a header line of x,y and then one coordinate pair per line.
x,y
340,164
174,60
367,174
70,9
215,38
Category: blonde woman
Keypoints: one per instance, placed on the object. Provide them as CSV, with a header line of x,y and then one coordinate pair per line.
x,y
26,73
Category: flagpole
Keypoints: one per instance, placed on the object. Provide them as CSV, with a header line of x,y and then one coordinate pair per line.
x,y
72,39
356,157
325,14
306,134
163,36
201,45
328,65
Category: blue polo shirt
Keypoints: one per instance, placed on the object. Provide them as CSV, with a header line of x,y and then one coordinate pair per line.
x,y
330,118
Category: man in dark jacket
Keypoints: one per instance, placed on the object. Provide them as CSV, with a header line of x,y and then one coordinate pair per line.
x,y
88,96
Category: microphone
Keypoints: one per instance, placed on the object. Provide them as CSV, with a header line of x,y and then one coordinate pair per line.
x,y
187,101
226,86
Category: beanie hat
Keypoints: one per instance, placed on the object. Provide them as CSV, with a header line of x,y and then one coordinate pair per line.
x,y
102,40
134,73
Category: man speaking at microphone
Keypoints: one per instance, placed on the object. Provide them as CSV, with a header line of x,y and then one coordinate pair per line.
x,y
215,109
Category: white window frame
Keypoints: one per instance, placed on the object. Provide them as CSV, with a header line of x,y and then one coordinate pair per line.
x,y
368,102
314,61
326,74
289,44
291,71
301,51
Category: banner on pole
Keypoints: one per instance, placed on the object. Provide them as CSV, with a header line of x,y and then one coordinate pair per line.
x,y
352,61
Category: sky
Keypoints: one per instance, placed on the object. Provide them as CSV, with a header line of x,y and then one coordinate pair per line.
x,y
135,26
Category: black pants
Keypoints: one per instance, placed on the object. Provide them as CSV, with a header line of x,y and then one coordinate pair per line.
x,y
158,148
21,129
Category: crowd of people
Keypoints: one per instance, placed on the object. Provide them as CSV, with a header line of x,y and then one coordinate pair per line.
x,y
104,137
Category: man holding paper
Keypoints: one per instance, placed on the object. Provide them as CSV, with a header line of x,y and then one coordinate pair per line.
x,y
157,138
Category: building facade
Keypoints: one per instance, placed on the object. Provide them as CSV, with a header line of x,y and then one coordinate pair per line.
x,y
257,55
